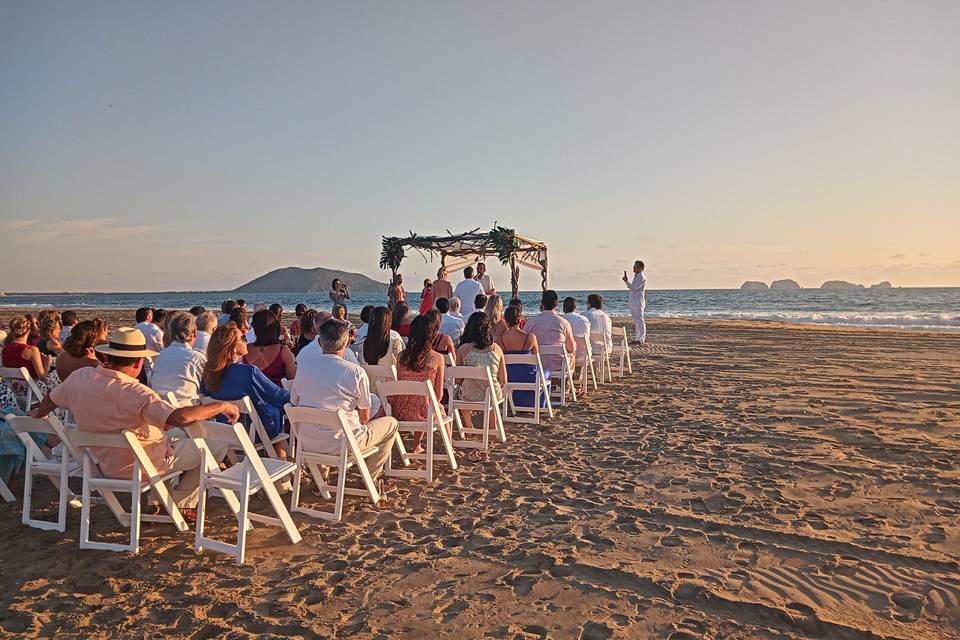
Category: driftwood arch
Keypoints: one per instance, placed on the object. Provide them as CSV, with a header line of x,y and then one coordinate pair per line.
x,y
459,250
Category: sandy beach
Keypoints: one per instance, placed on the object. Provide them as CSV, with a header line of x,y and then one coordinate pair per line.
x,y
749,480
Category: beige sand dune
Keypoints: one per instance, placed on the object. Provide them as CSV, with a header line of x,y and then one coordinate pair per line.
x,y
751,480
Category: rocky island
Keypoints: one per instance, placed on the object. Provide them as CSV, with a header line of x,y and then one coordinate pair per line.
x,y
840,284
785,285
753,285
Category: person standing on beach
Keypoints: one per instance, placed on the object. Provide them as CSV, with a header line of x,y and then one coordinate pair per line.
x,y
442,288
396,293
638,301
339,293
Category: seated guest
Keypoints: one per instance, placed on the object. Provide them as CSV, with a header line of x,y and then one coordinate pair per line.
x,y
455,309
277,310
419,362
160,319
225,378
239,318
17,353
206,323
468,289
442,343
178,369
197,310
477,349
306,327
600,322
517,341
298,312
551,329
109,399
50,335
494,311
267,353
517,302
313,349
331,383
339,312
364,323
67,322
225,310
150,331
450,325
33,338
382,345
579,324
249,335
401,318
480,303
78,352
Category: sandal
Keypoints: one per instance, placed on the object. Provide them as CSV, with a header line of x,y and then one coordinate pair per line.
x,y
478,455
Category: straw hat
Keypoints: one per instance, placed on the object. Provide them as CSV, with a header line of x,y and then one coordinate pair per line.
x,y
126,342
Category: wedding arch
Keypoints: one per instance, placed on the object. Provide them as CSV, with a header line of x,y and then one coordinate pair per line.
x,y
457,251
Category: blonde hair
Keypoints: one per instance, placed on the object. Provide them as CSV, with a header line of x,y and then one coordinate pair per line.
x,y
221,353
19,327
50,325
494,308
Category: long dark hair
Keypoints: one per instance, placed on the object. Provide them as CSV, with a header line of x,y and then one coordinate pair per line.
x,y
419,343
400,311
83,337
266,327
377,342
478,332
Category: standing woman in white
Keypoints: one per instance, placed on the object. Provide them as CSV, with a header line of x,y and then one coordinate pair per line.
x,y
638,300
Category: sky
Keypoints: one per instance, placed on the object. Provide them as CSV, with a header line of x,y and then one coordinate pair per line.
x,y
197,145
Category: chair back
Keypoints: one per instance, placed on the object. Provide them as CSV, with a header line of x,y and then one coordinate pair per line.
x,y
286,384
21,374
449,359
584,349
334,420
378,373
554,350
235,436
26,424
424,389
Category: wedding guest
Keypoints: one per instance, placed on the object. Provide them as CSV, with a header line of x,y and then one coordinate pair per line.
x,y
382,345
419,362
306,329
68,320
401,318
150,331
78,351
477,349
178,368
395,292
206,323
239,318
277,310
455,305
450,325
339,293
468,289
442,343
494,311
579,323
267,353
298,311
50,326
600,322
225,310
480,303
442,287
364,323
426,297
226,378
485,280
18,353
339,312
197,310
554,330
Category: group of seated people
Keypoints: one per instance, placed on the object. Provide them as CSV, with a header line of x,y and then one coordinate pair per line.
x,y
150,378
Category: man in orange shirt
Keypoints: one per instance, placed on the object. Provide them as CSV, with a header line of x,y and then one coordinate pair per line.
x,y
109,399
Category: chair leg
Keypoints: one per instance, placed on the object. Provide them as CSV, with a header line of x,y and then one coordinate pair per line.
x,y
5,493
64,491
295,494
242,517
27,487
135,512
201,504
429,436
341,491
85,505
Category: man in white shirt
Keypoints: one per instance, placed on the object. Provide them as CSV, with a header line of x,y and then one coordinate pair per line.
x,y
331,383
206,325
578,323
468,290
150,331
485,280
455,308
225,310
638,301
450,325
364,326
600,322
179,367
312,349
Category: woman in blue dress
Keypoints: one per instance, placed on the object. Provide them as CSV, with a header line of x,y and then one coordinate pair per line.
x,y
227,378
515,340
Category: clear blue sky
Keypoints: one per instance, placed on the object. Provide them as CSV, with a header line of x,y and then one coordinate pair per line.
x,y
195,145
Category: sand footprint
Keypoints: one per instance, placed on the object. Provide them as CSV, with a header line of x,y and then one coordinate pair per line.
x,y
907,606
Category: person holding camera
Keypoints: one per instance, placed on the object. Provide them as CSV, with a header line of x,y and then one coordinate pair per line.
x,y
339,293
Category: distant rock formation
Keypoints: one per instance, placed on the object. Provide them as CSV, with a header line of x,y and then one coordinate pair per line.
x,y
882,285
299,280
753,285
785,285
840,284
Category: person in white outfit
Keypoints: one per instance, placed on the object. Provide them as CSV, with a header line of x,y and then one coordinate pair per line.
x,y
638,300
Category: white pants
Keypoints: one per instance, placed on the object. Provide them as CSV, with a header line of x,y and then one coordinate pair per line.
x,y
639,324
186,458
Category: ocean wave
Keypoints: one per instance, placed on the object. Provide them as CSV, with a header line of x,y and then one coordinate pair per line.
x,y
939,321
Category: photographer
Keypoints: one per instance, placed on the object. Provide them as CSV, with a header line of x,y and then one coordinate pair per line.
x,y
339,293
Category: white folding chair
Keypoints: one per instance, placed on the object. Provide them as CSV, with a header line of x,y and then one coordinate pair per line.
x,y
93,480
621,349
539,387
566,374
585,362
378,373
435,422
286,384
245,478
488,405
19,378
58,471
256,429
601,355
350,456
449,359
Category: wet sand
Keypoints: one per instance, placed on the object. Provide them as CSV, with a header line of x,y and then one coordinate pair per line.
x,y
749,480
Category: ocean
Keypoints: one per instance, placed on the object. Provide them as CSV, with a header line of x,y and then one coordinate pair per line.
x,y
905,308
